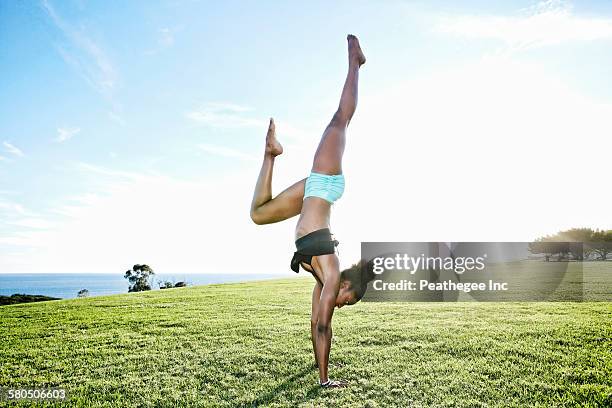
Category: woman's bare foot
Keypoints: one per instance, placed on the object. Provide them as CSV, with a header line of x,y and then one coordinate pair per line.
x,y
355,53
273,147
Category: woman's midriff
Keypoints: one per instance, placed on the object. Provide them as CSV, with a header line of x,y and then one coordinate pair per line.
x,y
314,216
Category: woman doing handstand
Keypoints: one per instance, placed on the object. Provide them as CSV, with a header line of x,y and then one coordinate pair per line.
x,y
312,198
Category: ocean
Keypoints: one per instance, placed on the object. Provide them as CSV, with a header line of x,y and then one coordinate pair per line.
x,y
67,285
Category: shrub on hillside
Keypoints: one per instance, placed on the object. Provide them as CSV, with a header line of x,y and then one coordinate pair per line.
x,y
23,298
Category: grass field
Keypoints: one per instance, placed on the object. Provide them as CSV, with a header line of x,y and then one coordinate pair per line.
x,y
248,344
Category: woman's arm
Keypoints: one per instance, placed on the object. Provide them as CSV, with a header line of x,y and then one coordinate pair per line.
x,y
314,315
331,268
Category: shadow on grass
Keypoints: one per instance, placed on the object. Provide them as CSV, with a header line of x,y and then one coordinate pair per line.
x,y
270,395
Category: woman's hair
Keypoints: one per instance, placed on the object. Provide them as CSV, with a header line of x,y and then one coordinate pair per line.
x,y
358,275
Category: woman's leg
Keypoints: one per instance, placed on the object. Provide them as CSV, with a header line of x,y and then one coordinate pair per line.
x,y
328,158
264,208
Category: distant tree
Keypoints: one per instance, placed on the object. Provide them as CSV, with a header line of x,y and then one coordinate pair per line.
x,y
538,247
165,284
595,243
139,277
83,293
583,235
576,248
181,284
602,244
575,235
550,249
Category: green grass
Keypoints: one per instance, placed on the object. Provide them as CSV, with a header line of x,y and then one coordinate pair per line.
x,y
248,344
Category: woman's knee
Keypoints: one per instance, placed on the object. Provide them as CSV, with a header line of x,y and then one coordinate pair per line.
x,y
339,120
257,217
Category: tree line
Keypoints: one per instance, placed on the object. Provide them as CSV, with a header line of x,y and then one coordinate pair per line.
x,y
581,244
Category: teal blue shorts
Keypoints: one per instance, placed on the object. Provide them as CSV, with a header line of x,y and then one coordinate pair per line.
x,y
325,186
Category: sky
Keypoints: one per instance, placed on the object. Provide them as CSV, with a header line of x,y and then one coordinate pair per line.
x,y
133,132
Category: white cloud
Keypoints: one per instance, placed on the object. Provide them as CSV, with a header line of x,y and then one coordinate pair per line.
x,y
13,149
173,225
115,117
12,207
551,22
14,240
66,133
166,37
35,223
109,173
225,152
87,57
228,106
225,115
